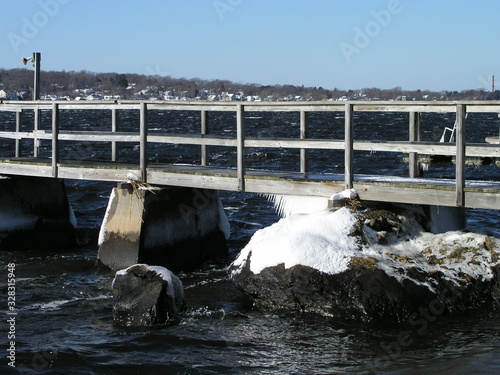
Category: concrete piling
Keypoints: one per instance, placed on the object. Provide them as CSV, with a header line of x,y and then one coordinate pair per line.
x,y
178,228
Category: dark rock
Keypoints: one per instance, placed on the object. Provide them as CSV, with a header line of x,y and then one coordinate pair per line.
x,y
496,287
406,275
146,296
362,293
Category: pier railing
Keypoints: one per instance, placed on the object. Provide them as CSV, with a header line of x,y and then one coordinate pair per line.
x,y
242,141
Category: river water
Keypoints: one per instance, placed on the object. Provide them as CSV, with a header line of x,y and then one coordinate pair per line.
x,y
64,299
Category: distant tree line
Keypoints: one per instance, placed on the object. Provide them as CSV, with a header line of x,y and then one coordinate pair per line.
x,y
126,85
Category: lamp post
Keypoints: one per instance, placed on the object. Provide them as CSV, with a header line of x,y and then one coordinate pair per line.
x,y
36,58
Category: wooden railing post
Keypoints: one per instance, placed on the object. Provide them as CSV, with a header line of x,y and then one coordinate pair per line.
x,y
304,132
115,124
19,124
240,137
36,126
143,146
460,155
349,146
414,124
55,139
204,131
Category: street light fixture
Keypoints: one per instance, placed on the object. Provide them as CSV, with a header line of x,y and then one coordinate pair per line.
x,y
36,58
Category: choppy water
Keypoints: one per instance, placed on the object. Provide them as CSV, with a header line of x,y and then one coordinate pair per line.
x,y
64,300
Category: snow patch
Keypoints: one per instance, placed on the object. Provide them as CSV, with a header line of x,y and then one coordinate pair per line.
x,y
72,217
324,241
133,177
320,241
103,231
224,225
346,194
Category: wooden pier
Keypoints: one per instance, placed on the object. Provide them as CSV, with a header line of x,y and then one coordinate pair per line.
x,y
455,192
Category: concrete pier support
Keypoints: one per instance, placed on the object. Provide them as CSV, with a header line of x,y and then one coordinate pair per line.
x,y
119,239
445,219
177,228
35,214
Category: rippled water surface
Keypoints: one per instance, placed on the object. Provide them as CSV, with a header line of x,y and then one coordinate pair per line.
x,y
64,299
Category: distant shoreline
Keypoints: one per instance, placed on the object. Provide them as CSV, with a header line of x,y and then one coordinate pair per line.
x,y
84,85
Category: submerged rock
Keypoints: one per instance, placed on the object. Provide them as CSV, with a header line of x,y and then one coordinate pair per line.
x,y
146,295
370,265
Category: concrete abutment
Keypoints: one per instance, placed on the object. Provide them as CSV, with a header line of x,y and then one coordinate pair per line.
x,y
178,228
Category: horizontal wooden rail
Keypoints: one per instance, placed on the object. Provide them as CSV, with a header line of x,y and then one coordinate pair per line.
x,y
321,106
431,148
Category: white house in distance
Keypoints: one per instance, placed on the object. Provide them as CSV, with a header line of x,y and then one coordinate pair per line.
x,y
8,95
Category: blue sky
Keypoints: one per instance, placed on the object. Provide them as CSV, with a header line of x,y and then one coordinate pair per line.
x,y
348,44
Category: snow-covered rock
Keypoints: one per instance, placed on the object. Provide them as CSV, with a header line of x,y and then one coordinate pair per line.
x,y
146,295
372,265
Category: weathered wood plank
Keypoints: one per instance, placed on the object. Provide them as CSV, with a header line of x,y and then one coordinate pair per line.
x,y
486,150
193,139
293,187
37,114
304,133
414,131
320,144
460,155
400,194
204,132
26,169
432,148
143,145
193,180
349,146
115,124
371,106
10,108
240,151
482,200
55,139
19,122
417,192
96,174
